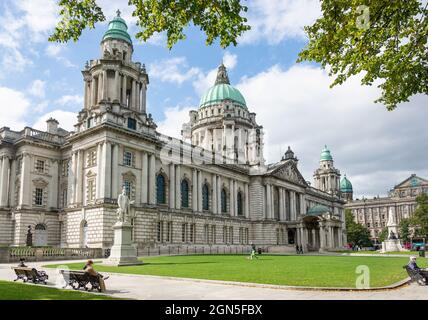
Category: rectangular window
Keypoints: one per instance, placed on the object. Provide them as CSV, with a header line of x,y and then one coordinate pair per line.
x,y
159,231
183,232
40,166
231,235
65,168
128,158
91,190
192,233
92,158
129,187
132,124
213,234
38,199
89,123
169,232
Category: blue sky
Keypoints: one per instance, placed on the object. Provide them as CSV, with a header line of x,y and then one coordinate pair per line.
x,y
375,148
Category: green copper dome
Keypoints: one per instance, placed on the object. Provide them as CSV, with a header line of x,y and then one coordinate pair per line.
x,y
222,90
325,155
117,29
318,210
345,185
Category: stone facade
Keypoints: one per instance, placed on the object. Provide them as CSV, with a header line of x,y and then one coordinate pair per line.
x,y
211,188
373,213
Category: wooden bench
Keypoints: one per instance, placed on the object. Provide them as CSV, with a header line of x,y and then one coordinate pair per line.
x,y
30,274
80,280
415,276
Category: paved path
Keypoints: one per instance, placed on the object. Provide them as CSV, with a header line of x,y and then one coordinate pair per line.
x,y
160,288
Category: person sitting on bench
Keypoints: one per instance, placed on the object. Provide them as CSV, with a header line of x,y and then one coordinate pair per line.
x,y
89,268
22,263
414,267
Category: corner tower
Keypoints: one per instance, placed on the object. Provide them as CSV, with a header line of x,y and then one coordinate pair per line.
x,y
114,83
327,177
346,189
224,125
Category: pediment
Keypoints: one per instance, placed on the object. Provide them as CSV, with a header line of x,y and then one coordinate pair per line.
x,y
289,172
412,181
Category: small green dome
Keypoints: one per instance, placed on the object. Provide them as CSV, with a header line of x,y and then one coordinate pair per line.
x,y
222,92
117,29
345,185
317,210
326,155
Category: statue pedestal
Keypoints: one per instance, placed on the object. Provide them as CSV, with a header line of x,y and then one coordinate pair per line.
x,y
391,245
122,253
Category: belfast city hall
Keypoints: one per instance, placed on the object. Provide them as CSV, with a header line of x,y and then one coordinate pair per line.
x,y
212,188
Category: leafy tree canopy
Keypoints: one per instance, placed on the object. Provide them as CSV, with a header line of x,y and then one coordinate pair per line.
x,y
357,234
385,41
223,19
420,216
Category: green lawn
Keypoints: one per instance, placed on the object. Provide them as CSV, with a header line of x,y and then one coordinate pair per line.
x,y
404,253
314,271
22,291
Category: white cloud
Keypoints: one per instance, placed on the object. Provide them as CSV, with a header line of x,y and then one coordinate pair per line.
x,y
54,51
207,80
174,119
14,107
276,20
173,70
70,100
369,144
66,120
37,88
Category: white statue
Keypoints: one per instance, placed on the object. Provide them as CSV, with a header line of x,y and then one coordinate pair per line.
x,y
391,218
124,210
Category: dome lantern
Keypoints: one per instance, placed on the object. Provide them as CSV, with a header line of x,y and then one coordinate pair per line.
x,y
118,29
326,155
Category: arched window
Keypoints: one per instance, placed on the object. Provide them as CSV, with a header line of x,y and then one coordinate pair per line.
x,y
160,189
223,201
239,203
184,193
205,197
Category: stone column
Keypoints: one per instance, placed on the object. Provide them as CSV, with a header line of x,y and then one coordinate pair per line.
x,y
124,90
53,188
99,170
235,196
214,178
302,204
137,95
247,201
105,85
152,179
219,194
195,191
100,87
12,178
178,187
133,89
116,183
232,198
86,95
106,180
144,178
94,91
298,238
117,84
79,177
4,181
199,191
268,201
293,206
171,185
71,179
143,97
281,204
